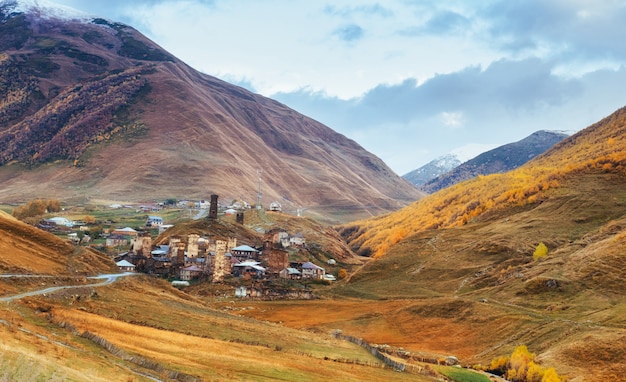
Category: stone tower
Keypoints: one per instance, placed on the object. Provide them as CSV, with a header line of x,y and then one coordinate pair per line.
x,y
192,245
213,207
220,266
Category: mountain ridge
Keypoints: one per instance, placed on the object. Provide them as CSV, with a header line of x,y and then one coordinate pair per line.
x,y
500,159
164,129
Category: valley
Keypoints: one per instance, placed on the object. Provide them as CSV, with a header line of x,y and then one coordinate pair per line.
x,y
160,224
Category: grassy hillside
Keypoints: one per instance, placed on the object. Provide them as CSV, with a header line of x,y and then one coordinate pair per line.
x,y
454,273
599,148
26,249
141,328
475,291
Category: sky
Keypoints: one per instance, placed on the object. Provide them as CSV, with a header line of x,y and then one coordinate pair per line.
x,y
408,80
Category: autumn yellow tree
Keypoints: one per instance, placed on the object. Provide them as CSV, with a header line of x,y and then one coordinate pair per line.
x,y
540,251
521,366
342,274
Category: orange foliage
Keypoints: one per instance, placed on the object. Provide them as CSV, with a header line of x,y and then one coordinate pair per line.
x,y
599,148
521,367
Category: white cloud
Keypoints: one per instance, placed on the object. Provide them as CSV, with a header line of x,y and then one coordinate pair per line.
x,y
452,119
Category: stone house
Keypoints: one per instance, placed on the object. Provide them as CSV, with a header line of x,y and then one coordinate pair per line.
x,y
290,274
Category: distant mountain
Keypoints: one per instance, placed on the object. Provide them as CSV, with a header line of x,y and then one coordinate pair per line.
x,y
90,108
498,160
432,169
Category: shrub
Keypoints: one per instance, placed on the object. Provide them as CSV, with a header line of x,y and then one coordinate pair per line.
x,y
540,251
36,208
342,274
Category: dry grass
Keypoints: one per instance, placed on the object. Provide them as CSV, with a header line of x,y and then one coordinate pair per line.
x,y
153,321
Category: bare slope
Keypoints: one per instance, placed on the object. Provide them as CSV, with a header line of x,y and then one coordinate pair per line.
x,y
28,250
95,108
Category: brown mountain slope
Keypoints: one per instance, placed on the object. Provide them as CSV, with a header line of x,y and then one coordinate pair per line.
x,y
94,108
600,147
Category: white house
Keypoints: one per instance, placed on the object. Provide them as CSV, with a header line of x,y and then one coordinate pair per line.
x,y
275,206
125,266
154,221
312,271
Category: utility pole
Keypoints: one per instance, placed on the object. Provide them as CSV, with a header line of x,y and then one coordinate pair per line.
x,y
259,194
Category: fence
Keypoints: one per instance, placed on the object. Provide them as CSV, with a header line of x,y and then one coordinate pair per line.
x,y
388,361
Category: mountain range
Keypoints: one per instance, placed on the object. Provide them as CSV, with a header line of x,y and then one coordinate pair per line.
x,y
500,159
432,169
90,108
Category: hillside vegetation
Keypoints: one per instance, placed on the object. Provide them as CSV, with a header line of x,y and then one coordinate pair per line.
x,y
27,250
142,329
599,148
95,109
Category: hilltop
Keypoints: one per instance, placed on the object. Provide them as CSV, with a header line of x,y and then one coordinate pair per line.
x,y
92,108
432,169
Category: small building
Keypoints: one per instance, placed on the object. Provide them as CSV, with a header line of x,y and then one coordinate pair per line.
x,y
190,273
244,252
65,222
297,240
275,259
154,221
125,266
312,271
126,231
248,268
116,241
73,237
164,227
276,207
290,274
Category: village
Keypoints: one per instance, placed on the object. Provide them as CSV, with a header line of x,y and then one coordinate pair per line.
x,y
188,259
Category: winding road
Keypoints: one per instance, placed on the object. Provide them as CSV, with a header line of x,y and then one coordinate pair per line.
x,y
108,279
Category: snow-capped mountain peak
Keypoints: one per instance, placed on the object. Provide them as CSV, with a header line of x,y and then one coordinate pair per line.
x,y
45,9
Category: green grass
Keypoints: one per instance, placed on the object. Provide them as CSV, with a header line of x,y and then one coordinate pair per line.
x,y
458,374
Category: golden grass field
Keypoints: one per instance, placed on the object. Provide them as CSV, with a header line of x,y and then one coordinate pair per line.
x,y
148,318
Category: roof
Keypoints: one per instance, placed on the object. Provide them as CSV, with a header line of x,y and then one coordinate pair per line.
x,y
292,271
124,263
252,264
244,248
310,265
125,229
193,268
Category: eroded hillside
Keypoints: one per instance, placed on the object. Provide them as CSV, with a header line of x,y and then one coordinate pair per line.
x,y
92,107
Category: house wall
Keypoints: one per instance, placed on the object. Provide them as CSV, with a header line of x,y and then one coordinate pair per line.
x,y
192,245
220,268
